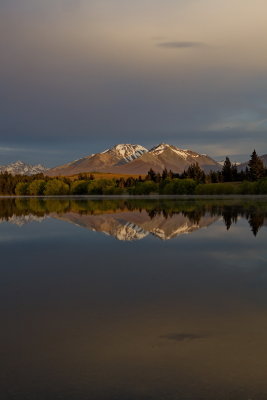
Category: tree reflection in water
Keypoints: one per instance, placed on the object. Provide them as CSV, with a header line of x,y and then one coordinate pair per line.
x,y
195,212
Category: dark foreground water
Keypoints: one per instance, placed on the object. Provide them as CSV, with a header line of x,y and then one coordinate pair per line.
x,y
133,299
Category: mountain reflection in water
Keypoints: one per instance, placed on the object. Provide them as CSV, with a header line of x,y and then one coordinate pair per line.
x,y
135,219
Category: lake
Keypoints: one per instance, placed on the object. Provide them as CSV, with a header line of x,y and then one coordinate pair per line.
x,y
128,299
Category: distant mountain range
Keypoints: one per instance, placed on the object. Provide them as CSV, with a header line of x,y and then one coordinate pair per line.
x,y
127,159
136,159
21,168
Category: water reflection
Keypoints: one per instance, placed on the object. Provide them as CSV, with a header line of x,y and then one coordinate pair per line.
x,y
84,316
135,219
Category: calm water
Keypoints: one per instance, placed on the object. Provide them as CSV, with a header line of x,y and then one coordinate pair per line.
x,y
133,299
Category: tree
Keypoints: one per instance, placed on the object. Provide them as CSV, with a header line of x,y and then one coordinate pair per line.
x,y
227,173
56,187
37,187
151,175
256,168
164,174
82,177
235,175
79,187
195,172
22,189
170,174
214,177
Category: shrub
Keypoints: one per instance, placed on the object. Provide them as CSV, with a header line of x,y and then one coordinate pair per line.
x,y
261,186
180,186
217,188
112,190
248,187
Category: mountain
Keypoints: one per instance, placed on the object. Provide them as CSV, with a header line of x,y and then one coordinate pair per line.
x,y
170,157
243,165
136,159
21,168
101,162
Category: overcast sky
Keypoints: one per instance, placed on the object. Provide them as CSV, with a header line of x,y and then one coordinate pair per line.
x,y
78,76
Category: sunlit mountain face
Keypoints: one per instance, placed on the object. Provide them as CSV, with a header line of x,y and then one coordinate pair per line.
x,y
135,219
136,159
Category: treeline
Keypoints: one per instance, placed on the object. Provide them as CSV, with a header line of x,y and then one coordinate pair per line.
x,y
192,181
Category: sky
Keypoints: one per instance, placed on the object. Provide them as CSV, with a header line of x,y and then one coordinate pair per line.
x,y
78,76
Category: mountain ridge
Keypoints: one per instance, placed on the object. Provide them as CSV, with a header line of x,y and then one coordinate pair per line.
x,y
136,159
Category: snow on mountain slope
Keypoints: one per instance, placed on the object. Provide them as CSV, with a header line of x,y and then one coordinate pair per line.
x,y
157,150
126,152
167,156
21,168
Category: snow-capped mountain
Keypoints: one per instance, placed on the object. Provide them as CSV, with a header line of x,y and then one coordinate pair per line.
x,y
101,162
136,159
21,168
170,157
126,152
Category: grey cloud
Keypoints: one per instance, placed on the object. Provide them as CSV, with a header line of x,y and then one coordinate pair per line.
x,y
181,337
180,45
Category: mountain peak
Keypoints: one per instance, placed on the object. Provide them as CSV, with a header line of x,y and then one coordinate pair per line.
x,y
127,152
160,148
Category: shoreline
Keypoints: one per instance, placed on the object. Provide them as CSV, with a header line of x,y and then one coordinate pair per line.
x,y
152,196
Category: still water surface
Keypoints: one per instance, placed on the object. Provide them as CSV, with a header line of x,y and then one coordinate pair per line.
x,y
133,299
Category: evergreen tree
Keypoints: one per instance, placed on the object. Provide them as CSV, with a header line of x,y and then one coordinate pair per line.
x,y
235,175
227,174
256,168
158,177
164,174
151,175
213,177
170,174
195,172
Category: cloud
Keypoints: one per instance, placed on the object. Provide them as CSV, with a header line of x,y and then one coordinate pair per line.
x,y
181,337
4,149
180,45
